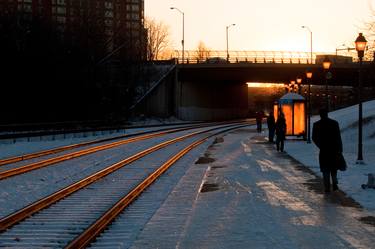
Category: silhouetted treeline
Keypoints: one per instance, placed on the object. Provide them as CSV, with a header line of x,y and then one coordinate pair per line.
x,y
48,75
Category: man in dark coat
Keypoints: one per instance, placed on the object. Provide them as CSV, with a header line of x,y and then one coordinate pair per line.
x,y
280,128
271,127
326,135
259,119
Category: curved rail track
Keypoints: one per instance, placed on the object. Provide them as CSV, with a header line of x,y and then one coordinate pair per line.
x,y
29,156
108,192
123,140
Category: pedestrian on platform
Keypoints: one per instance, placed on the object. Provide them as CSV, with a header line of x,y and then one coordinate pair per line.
x,y
326,136
271,127
280,128
259,119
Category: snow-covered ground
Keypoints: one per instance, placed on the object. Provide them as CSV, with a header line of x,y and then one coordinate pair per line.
x,y
247,196
350,181
20,146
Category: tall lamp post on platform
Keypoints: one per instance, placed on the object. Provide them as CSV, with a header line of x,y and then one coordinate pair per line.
x,y
227,36
299,82
311,43
309,75
326,66
183,32
292,85
360,46
287,87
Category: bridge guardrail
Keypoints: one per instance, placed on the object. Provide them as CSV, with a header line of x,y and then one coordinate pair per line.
x,y
290,57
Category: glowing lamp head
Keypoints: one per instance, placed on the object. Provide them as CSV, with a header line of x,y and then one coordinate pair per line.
x,y
299,80
326,63
309,73
360,45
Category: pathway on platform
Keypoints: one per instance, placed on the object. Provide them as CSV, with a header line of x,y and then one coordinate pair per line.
x,y
251,196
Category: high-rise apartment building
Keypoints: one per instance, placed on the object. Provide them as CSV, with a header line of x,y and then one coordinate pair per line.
x,y
115,23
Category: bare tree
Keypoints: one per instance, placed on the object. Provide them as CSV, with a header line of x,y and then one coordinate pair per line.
x,y
368,28
157,38
202,51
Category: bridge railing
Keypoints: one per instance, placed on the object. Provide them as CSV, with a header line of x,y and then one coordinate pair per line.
x,y
220,56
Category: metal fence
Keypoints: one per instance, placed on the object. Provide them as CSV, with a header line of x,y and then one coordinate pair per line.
x,y
290,57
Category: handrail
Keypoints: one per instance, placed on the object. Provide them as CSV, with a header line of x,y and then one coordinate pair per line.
x,y
216,56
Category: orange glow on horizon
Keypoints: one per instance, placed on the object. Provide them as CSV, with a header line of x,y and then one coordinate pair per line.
x,y
258,84
273,25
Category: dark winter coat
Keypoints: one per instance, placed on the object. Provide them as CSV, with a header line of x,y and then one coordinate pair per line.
x,y
259,117
280,127
271,122
326,135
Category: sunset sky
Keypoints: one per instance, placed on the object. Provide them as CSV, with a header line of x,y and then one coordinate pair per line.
x,y
271,25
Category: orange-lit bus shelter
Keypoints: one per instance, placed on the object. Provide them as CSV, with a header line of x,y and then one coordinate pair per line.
x,y
293,106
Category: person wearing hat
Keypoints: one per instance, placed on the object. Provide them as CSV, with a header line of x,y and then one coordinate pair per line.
x,y
326,136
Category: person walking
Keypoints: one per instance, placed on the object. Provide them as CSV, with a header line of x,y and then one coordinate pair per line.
x,y
271,127
326,136
259,119
280,128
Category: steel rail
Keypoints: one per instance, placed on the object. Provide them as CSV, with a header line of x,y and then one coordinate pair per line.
x,y
72,155
73,146
83,240
31,209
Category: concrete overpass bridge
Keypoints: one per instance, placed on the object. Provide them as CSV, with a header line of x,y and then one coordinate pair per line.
x,y
343,74
212,88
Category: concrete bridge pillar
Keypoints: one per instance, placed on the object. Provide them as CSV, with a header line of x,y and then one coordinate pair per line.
x,y
211,100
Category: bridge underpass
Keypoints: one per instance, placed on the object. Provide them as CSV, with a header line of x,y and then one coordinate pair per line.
x,y
205,91
212,100
219,91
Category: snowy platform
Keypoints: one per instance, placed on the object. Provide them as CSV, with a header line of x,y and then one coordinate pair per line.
x,y
242,193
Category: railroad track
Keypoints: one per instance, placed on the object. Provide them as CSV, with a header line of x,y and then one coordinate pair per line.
x,y
29,156
66,221
125,139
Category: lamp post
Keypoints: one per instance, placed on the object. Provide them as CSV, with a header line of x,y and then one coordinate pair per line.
x,y
360,46
293,85
183,33
299,82
227,28
286,87
311,43
309,75
326,66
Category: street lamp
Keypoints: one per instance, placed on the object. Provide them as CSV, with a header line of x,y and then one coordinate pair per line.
x,y
183,32
287,87
360,46
309,75
299,82
311,44
227,27
326,66
326,63
293,85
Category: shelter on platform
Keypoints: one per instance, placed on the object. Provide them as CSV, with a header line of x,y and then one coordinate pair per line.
x,y
293,106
